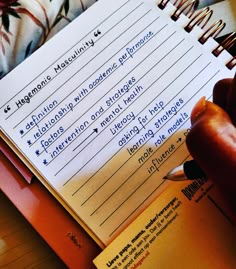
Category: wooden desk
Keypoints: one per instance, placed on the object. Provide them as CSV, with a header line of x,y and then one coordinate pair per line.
x,y
46,216
20,245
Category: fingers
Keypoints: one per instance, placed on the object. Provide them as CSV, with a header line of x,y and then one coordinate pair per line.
x,y
224,94
221,91
212,143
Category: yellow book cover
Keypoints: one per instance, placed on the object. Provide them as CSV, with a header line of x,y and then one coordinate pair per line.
x,y
188,226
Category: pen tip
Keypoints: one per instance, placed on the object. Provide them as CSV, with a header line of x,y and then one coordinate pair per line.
x,y
165,177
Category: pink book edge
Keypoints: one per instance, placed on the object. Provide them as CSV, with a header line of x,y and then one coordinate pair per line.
x,y
23,170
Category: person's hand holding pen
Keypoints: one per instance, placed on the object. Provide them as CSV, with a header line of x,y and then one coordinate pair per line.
x,y
212,139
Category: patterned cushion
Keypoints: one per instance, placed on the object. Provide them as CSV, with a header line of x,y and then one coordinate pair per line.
x,y
26,25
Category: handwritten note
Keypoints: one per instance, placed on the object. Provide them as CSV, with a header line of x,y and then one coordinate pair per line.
x,y
102,111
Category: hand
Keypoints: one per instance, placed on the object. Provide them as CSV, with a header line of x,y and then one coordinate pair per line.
x,y
212,139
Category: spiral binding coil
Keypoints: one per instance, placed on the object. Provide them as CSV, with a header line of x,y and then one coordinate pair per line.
x,y
225,44
185,6
201,18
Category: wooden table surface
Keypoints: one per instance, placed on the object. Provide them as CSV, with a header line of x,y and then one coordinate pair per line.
x,y
20,245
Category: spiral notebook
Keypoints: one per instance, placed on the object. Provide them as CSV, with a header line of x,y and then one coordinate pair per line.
x,y
100,113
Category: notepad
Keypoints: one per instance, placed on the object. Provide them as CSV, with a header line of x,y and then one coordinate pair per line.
x,y
100,113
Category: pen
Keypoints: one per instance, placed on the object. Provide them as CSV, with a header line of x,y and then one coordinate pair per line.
x,y
188,171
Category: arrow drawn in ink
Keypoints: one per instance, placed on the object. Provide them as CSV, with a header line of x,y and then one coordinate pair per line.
x,y
94,131
179,140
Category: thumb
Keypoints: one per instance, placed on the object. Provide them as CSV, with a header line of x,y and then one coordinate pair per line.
x,y
212,143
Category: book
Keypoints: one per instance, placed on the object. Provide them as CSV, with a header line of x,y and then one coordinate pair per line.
x,y
187,226
22,169
101,111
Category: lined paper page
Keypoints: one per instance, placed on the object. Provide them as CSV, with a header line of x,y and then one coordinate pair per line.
x,y
102,111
